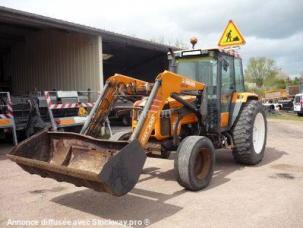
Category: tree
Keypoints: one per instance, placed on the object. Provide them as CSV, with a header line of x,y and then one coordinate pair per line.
x,y
280,84
280,80
260,68
295,81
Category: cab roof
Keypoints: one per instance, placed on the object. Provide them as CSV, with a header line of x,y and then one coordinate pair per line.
x,y
192,52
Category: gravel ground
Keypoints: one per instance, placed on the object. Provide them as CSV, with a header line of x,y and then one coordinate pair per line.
x,y
267,195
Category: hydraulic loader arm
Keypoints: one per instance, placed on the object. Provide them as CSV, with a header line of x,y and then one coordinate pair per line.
x,y
167,84
114,86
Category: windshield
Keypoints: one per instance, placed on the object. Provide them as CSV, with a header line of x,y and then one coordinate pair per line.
x,y
201,69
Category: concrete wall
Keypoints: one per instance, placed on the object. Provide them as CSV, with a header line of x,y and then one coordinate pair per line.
x,y
55,59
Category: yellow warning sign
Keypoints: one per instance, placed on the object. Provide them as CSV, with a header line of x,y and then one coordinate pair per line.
x,y
231,36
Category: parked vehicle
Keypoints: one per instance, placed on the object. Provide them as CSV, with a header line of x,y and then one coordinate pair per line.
x,y
298,104
24,115
272,106
286,104
7,120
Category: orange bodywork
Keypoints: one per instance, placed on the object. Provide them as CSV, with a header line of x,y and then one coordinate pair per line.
x,y
170,83
67,121
238,97
189,118
224,119
5,121
166,115
243,97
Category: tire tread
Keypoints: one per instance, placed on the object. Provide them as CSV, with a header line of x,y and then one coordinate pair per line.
x,y
242,134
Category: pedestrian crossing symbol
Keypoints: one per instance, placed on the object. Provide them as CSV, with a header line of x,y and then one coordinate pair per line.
x,y
231,36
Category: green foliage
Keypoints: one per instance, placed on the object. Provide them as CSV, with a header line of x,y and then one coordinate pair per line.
x,y
260,69
295,81
280,84
267,75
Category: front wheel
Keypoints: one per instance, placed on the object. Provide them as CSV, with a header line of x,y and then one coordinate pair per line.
x,y
249,134
194,163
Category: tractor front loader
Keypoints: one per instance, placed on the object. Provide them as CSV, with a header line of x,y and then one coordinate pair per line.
x,y
195,108
103,165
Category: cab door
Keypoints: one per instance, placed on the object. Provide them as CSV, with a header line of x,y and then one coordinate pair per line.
x,y
227,88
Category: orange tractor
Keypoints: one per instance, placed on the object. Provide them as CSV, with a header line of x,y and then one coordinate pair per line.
x,y
196,107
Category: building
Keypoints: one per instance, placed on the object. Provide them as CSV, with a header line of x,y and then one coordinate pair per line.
x,y
42,53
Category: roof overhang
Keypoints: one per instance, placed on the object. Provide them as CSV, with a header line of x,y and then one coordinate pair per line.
x,y
34,21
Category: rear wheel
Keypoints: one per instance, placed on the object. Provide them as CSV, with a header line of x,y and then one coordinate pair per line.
x,y
194,162
249,134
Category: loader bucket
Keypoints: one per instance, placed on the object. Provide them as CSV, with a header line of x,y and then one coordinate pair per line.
x,y
105,166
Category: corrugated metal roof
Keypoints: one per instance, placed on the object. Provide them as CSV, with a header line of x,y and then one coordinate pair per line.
x,y
40,22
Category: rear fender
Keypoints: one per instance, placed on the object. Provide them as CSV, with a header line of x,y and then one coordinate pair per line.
x,y
238,100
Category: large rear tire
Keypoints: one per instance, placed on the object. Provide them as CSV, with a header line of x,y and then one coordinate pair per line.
x,y
194,163
249,134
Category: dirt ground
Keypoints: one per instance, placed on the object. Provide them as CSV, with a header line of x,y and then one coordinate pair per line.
x,y
267,195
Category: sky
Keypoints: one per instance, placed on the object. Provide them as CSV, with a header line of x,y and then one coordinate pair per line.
x,y
271,28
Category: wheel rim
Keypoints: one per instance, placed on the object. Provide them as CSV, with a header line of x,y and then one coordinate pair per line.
x,y
202,164
259,133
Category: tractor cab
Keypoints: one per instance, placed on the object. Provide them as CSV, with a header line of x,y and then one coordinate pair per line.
x,y
222,73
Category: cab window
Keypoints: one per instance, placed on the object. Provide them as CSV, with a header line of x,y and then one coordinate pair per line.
x,y
202,69
227,83
227,79
239,75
